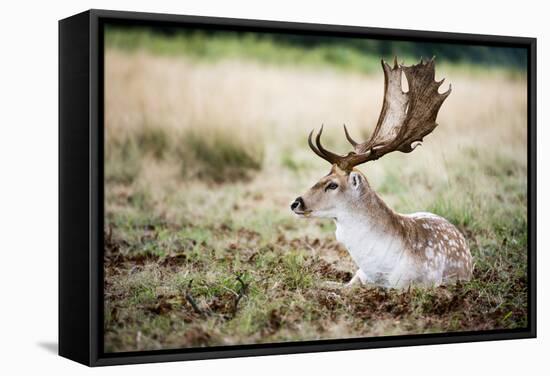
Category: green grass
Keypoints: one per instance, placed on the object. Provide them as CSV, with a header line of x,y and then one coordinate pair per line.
x,y
218,157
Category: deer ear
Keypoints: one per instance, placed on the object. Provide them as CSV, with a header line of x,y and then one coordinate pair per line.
x,y
356,180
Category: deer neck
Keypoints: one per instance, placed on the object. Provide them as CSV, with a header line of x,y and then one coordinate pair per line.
x,y
372,212
370,230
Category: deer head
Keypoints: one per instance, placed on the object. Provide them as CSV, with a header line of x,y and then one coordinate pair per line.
x,y
405,119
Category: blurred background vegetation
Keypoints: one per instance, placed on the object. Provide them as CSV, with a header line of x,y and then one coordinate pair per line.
x,y
347,53
205,147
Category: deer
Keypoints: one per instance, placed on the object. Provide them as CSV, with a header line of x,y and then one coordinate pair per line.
x,y
391,250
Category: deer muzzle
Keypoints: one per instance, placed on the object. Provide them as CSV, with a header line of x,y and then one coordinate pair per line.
x,y
298,205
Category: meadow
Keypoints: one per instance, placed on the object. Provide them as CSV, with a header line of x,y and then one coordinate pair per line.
x,y
204,155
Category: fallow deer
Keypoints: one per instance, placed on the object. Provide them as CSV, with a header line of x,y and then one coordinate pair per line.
x,y
390,249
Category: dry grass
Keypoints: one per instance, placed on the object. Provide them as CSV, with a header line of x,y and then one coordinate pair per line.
x,y
178,214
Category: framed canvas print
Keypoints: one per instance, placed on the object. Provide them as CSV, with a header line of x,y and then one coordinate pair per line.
x,y
237,187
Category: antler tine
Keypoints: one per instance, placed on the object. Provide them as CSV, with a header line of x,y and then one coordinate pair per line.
x,y
321,151
348,137
329,156
446,94
315,150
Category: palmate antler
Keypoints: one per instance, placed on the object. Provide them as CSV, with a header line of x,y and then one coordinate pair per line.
x,y
405,119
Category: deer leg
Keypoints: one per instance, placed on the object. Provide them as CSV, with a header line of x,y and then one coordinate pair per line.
x,y
358,277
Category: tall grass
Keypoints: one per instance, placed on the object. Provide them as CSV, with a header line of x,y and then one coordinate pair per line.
x,y
213,156
218,156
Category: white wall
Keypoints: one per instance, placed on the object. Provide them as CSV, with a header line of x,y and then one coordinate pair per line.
x,y
28,210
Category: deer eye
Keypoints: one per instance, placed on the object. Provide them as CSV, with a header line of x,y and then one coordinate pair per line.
x,y
331,186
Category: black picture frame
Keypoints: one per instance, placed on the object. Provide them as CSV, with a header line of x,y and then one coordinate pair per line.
x,y
81,187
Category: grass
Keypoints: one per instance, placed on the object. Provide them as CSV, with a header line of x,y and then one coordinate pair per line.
x,y
213,156
203,158
218,157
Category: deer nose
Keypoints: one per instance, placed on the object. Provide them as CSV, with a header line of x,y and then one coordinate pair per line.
x,y
297,204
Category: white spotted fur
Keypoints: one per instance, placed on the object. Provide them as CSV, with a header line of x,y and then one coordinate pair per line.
x,y
382,259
